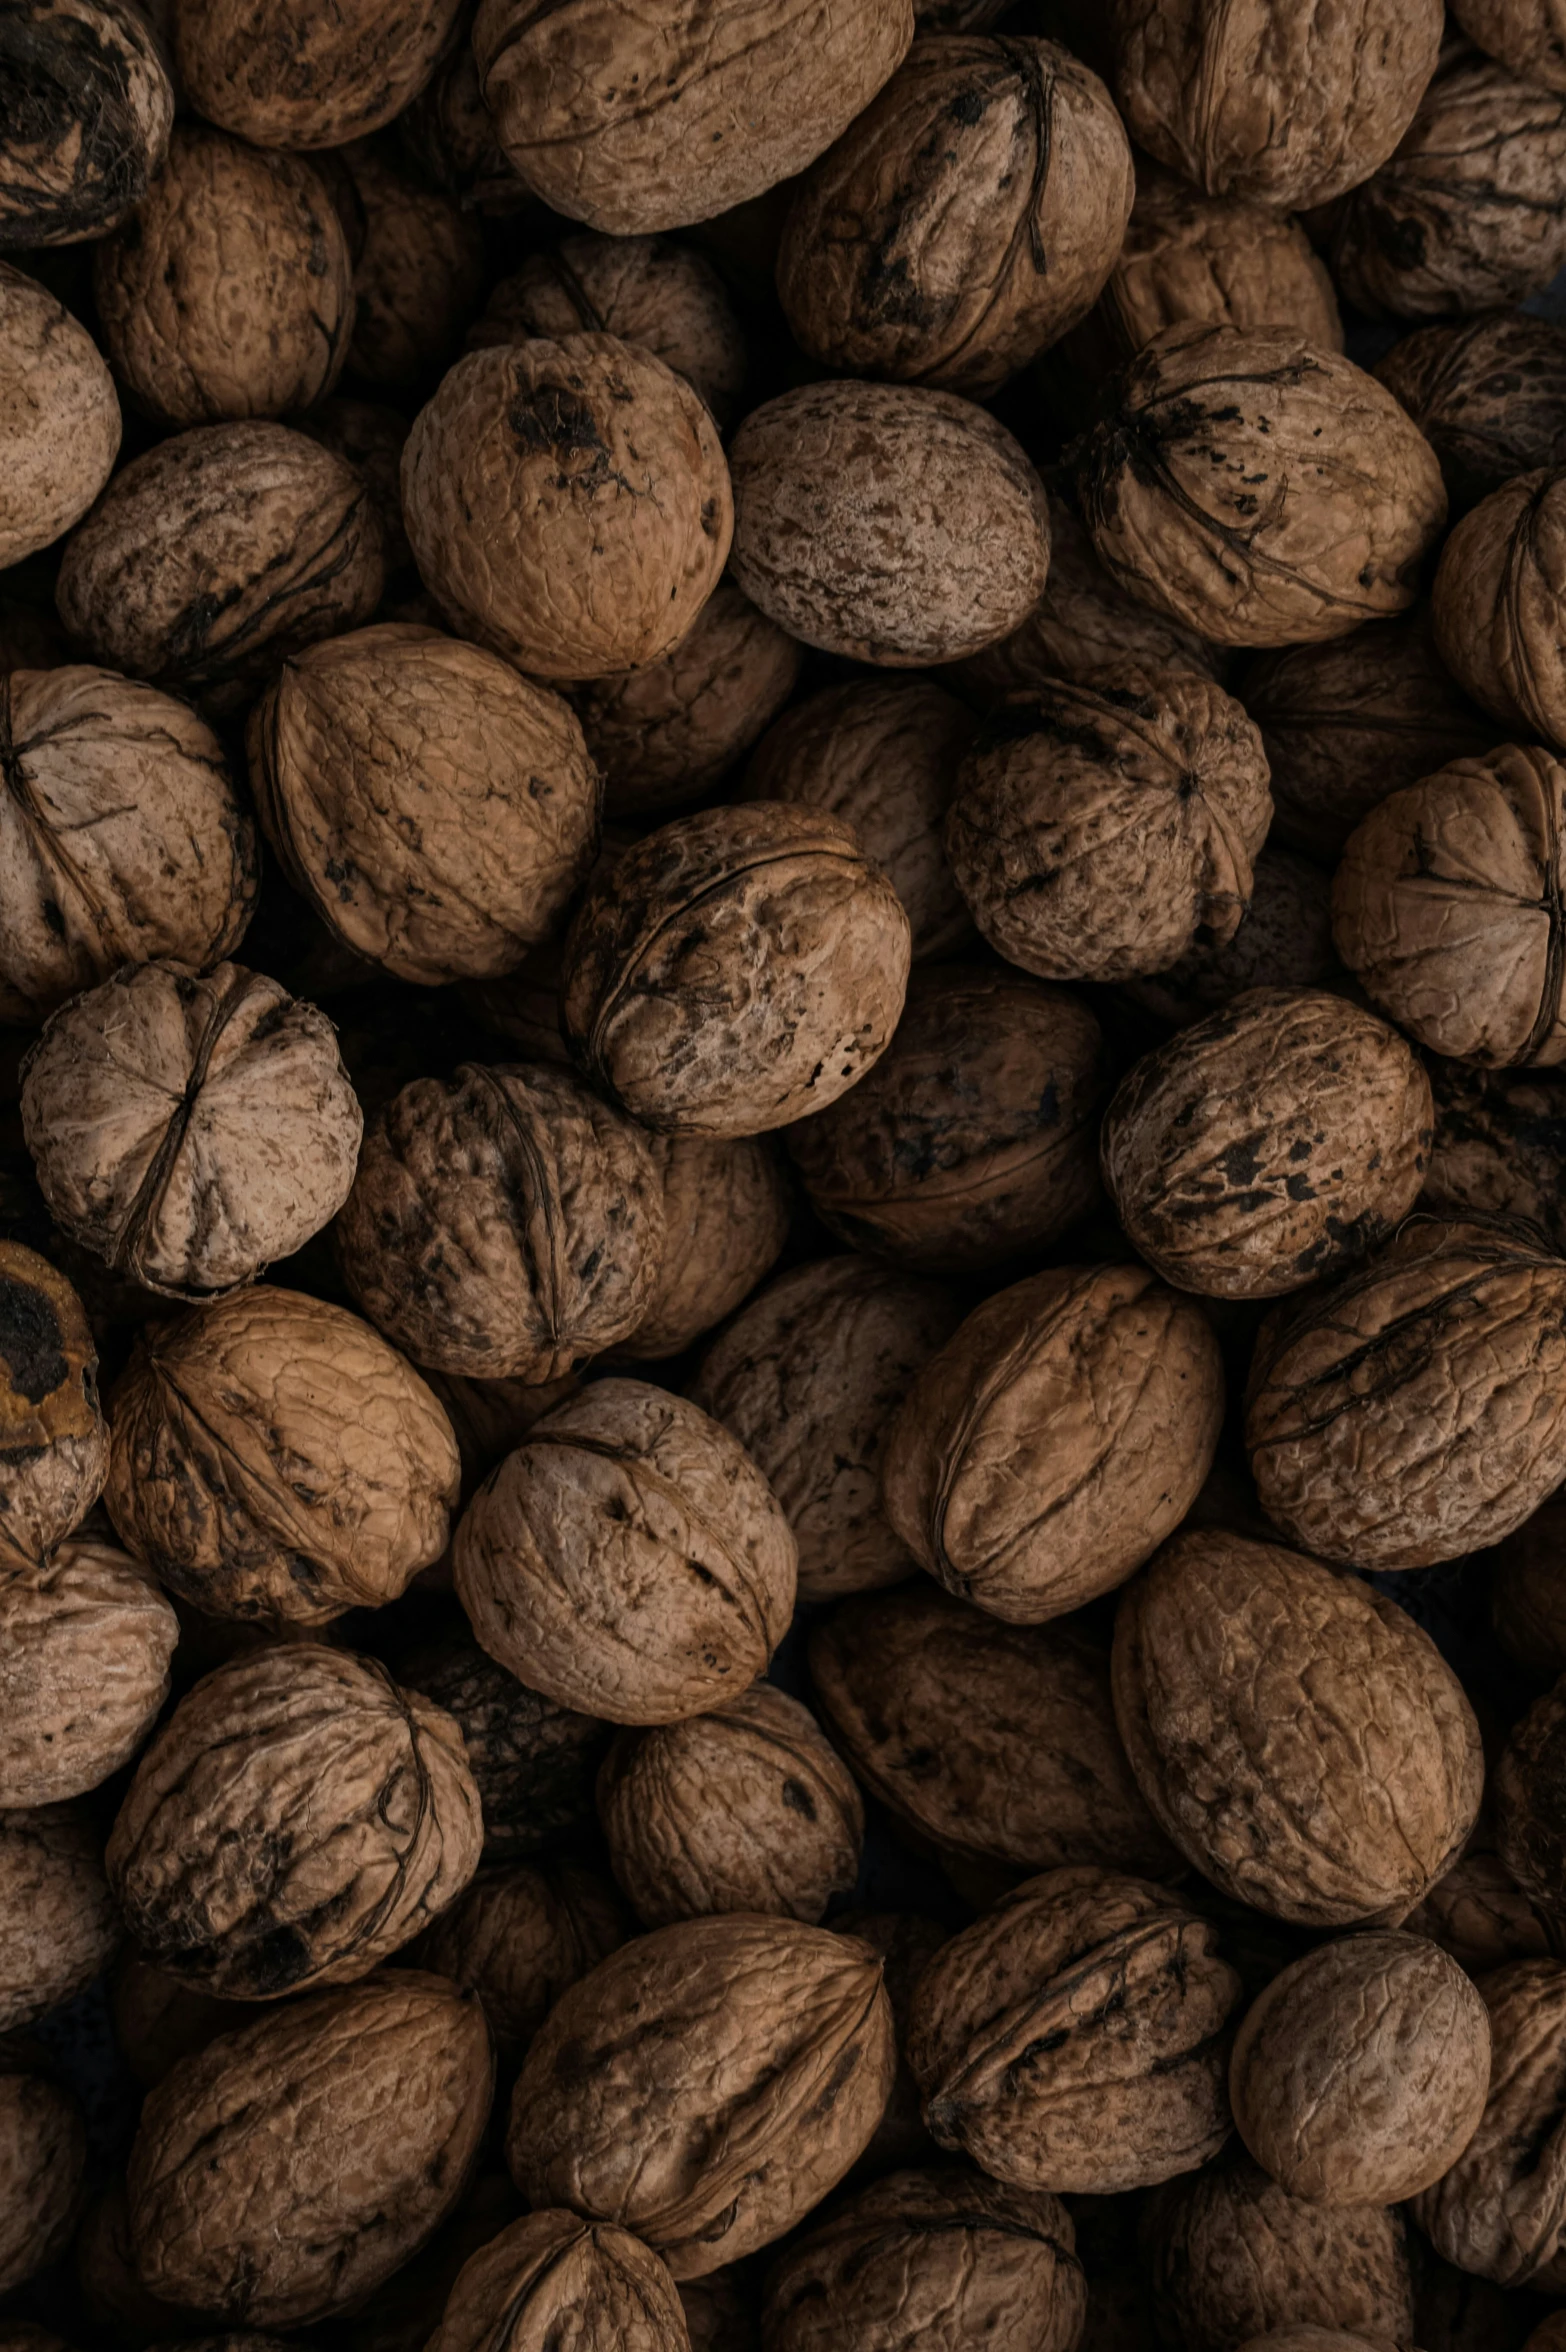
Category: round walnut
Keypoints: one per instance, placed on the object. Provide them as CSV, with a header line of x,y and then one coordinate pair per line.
x,y
1300,1739
995,1744
935,2260
629,1558
554,2279
1285,941
1257,489
158,2021
1498,602
273,1458
1479,1914
1360,2075
418,279
59,418
726,1212
519,1936
706,2085
61,1924
1530,1827
568,503
1498,2212
54,1442
219,552
504,1223
43,2160
85,1644
635,124
886,522
533,1761
734,970
1416,1411
1487,394
286,2169
1525,35
89,106
260,70
229,292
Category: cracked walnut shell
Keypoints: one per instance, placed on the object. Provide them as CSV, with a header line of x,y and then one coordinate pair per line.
x,y
1498,2211
282,80
62,1929
86,1639
1499,601
89,106
54,1442
554,2279
59,417
519,1936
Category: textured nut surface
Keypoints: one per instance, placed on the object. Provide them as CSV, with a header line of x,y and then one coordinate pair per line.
x,y
1530,1825
532,1760
1479,1914
1497,603
43,2157
519,1936
54,1442
726,1210
1497,2212
61,1925
254,67
1522,35
88,119
1528,1594
418,278
85,1644
554,2279
59,417
1284,941
1487,394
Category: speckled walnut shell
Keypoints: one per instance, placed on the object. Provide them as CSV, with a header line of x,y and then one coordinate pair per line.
x,y
61,1924
568,504
1415,1411
85,1645
886,522
59,418
273,1458
1526,35
1049,1447
941,2260
532,1760
269,2184
89,106
1300,1739
256,68
1284,941
418,278
1487,394
1479,1914
54,1442
995,1743
734,970
503,1223
157,2021
1257,489
1498,2210
635,124
771,2050
629,1558
218,553
519,1936
726,1211
1498,602
555,2279
43,2160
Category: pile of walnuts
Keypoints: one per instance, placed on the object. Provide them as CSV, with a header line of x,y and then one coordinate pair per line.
x,y
782,1176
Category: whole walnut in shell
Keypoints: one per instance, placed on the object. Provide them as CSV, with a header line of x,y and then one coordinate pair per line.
x,y
1257,489
629,1558
886,522
555,2279
273,1458
54,1442
568,504
1498,2211
519,1936
1525,35
1498,602
418,278
59,418
726,1209
261,70
1487,394
43,2160
720,2311
771,2048
85,1643
734,970
286,2169
532,1760
88,114
503,1223
1529,1818
1479,1914
1284,941
61,1925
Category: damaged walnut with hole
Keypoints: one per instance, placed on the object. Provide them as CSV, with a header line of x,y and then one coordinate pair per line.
x,y
533,1761
62,1929
1499,605
86,1639
265,73
59,417
726,1212
43,2163
1488,394
89,108
54,1441
519,1936
1498,2212
554,2279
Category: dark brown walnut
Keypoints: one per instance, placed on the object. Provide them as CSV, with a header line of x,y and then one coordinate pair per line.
x,y
61,1925
59,417
726,1212
1498,601
887,522
1500,1146
1414,1412
1526,35
230,290
1257,489
371,438
1360,2075
1479,1914
734,970
216,554
438,811
54,1442
746,1808
89,107
43,2160
1487,395
489,1417
907,1942
1284,941
629,1558
524,1007
282,2172
939,2260
1077,2036
22,2335
706,2085
994,1743
254,67
1300,1739
448,135
1271,102
1498,2211
112,2294
965,220
418,278
1279,1139
1456,2312
519,1936
86,1639
1549,2336
634,124
533,1761
808,1377
568,504
1307,2338
1530,1814
273,1458
1528,1593
157,2021
721,2311
1050,1446
555,2278
504,1223
31,637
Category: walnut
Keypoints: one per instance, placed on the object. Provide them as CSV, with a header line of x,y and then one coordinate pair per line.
x,y
85,1644
1300,1739
43,2157
935,2259
635,124
628,1558
89,109
568,504
1549,2336
1257,489
59,418
533,1761
157,2020
254,67
555,2278
286,2169
1415,1411
886,522
1500,1146
1527,1592
726,1212
54,1442
1497,603
1479,1914
273,1458
372,439
907,1942
1284,941
519,1936
219,552
418,278
61,1925
808,1377
111,2291
994,1743
1456,2312
1487,394
734,970
1524,35
449,136
404,2312
771,2047
503,1222
1498,2211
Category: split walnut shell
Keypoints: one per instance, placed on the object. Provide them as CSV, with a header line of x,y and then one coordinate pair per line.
x,y
532,1760
518,1937
61,1925
1299,1738
54,1442
256,68
418,278
1524,35
85,1644
59,417
1530,1821
1498,2211
43,2161
554,2279
767,2047
1487,394
726,1211
1498,601
89,110
1285,941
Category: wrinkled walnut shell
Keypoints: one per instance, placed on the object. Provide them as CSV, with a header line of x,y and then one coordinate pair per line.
x,y
533,1761
261,71
1498,2211
59,417
43,2159
1284,941
1498,600
1529,1822
85,1644
1487,394
555,2279
54,1442
418,278
61,1925
1479,1914
90,107
518,1937
1523,35
726,1211
1500,1147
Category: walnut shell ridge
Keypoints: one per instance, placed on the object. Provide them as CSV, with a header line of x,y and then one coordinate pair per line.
x,y
94,108
86,1639
62,1929
1497,604
54,1441
280,80
1487,394
59,416
555,2278
519,1936
1497,2213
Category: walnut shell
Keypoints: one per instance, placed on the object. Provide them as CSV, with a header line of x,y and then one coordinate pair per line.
x,y
1500,1147
269,2185
61,1924
1284,941
1299,1738
770,2045
1479,1914
418,279
533,1761
568,504
273,1458
1497,604
1487,394
726,1212
59,417
404,2312
449,135
111,2291
554,2278
808,1377
518,1937
907,1942
1524,34
1530,1826
995,1743
1498,2211
258,69
85,1644
372,439
1257,489
503,1222
1528,1593
629,1558
734,970
886,522
54,1442
43,2158
157,2021
88,122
